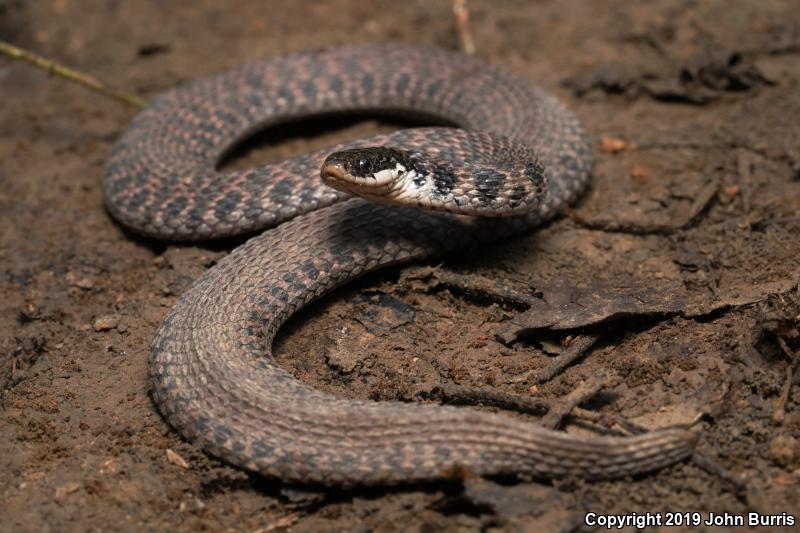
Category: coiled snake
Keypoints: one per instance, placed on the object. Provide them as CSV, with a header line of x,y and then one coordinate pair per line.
x,y
213,375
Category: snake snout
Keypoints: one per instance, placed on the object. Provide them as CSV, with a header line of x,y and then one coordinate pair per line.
x,y
336,175
332,171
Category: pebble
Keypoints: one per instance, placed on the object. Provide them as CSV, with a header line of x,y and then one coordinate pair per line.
x,y
85,283
612,145
784,450
65,490
105,323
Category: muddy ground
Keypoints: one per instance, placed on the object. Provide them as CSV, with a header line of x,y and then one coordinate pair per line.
x,y
694,111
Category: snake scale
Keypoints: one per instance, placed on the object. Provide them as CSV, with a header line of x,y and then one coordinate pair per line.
x,y
213,375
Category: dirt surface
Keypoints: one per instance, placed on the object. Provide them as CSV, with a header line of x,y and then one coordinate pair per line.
x,y
693,214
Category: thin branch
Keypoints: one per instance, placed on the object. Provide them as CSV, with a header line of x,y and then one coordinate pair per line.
x,y
711,466
780,406
579,346
461,11
555,417
456,394
72,75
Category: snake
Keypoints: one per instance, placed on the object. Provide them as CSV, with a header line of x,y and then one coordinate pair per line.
x,y
504,158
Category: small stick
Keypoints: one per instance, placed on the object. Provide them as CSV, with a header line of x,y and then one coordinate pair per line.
x,y
555,417
705,462
580,345
465,395
461,11
281,523
72,75
602,422
469,283
780,405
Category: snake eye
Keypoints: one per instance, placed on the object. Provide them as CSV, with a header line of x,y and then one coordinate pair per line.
x,y
363,167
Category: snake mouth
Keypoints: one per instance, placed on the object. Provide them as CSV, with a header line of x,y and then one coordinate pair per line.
x,y
336,175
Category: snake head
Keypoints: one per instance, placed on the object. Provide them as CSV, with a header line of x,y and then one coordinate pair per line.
x,y
493,188
370,172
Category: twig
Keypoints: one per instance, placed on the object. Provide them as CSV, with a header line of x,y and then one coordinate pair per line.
x,y
72,75
574,351
555,417
469,283
281,523
604,422
780,405
461,11
705,462
456,394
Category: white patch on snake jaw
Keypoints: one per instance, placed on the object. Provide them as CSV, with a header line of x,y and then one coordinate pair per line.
x,y
389,176
385,176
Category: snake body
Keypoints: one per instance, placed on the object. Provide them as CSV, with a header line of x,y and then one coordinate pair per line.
x,y
213,375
